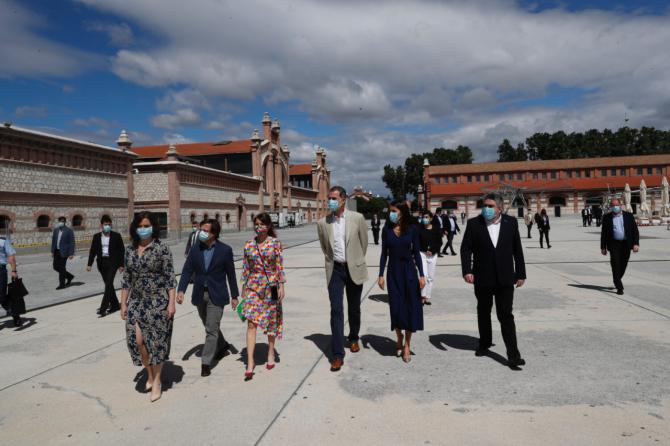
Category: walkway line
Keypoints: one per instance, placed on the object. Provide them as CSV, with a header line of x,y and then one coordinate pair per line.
x,y
302,382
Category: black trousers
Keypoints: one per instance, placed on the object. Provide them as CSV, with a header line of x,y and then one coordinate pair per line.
x,y
339,281
529,228
504,297
59,265
449,245
585,220
375,236
108,272
544,233
619,255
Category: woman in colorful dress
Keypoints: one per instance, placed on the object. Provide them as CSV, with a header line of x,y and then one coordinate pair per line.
x,y
263,271
148,299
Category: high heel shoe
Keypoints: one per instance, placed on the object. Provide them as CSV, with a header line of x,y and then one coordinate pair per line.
x,y
270,366
155,397
407,357
147,387
398,348
249,375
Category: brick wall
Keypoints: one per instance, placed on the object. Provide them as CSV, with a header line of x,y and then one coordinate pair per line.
x,y
151,186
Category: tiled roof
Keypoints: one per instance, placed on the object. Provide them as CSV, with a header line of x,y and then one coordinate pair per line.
x,y
300,169
524,166
196,149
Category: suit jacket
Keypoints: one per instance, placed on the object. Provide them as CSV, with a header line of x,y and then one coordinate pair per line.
x,y
356,240
192,240
447,227
222,267
491,266
67,245
116,249
629,228
541,225
375,223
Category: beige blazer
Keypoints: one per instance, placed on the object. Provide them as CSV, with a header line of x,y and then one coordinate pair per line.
x,y
356,241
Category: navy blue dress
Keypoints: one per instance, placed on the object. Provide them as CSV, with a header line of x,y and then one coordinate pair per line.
x,y
402,280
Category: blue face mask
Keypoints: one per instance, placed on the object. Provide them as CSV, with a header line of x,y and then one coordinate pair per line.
x,y
425,221
61,224
394,217
616,209
333,205
106,228
145,233
203,236
488,213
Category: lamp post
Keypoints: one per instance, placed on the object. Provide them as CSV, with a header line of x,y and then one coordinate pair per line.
x,y
419,191
426,179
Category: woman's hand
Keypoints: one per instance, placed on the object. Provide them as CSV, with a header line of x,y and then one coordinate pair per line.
x,y
281,292
171,310
380,282
124,311
422,282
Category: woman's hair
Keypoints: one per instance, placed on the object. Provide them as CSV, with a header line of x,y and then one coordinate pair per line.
x,y
136,222
264,219
405,216
428,213
543,212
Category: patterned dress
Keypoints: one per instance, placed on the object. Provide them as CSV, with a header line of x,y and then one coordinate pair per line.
x,y
258,306
148,279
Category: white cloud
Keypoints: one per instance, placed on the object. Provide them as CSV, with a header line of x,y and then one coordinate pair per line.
x,y
29,111
176,138
180,118
92,122
119,34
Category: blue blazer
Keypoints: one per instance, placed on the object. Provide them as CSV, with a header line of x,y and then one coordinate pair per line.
x,y
66,242
214,278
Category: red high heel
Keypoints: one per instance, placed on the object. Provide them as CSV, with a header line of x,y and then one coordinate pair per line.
x,y
270,366
248,376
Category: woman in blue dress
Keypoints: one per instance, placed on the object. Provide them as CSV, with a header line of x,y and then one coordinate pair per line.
x,y
401,247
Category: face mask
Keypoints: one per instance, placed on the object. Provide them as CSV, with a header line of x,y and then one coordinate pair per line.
x,y
488,213
333,205
616,209
426,221
260,229
203,236
393,216
145,233
106,228
61,224
194,228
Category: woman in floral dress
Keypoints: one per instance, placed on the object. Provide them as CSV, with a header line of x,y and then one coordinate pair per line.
x,y
148,299
263,269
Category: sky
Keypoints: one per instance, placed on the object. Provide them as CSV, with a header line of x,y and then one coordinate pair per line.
x,y
371,81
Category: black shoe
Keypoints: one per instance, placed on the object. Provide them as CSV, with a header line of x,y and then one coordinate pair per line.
x,y
69,280
440,255
221,354
113,309
205,370
548,246
482,352
620,292
102,313
18,322
453,253
60,287
99,311
516,362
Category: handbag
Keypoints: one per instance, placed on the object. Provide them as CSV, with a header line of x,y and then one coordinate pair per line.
x,y
274,291
238,309
16,291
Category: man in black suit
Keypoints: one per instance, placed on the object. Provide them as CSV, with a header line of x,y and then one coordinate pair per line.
x,y
450,228
107,246
375,223
492,260
439,222
619,235
62,249
212,264
192,238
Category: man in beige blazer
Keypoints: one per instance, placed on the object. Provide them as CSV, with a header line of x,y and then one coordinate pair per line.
x,y
343,235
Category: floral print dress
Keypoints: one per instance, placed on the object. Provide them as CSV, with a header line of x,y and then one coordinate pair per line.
x,y
148,278
258,306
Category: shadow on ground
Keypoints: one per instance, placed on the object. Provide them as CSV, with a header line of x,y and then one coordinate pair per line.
x,y
462,342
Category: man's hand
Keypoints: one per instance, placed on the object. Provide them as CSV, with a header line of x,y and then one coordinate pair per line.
x,y
180,297
470,278
15,275
422,282
380,282
519,283
71,257
604,251
636,248
88,268
234,302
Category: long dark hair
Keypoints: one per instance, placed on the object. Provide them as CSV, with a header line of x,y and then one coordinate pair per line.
x,y
264,218
405,215
156,229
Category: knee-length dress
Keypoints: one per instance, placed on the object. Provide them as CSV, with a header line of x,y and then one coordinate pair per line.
x,y
148,279
404,259
263,268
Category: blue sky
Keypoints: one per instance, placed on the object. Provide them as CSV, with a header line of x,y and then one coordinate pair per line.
x,y
372,82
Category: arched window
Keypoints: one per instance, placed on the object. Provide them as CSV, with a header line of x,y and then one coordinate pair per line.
x,y
557,201
480,204
449,204
77,221
227,217
517,203
4,223
252,217
217,217
192,216
205,216
43,221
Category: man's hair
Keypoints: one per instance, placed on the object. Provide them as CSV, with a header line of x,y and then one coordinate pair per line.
x,y
495,197
105,219
340,190
615,199
215,228
61,218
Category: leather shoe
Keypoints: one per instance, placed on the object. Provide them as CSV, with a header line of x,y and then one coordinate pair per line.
x,y
205,370
355,348
336,365
69,280
516,362
482,351
619,292
61,287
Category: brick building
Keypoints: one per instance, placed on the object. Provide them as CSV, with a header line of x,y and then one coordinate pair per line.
x,y
560,186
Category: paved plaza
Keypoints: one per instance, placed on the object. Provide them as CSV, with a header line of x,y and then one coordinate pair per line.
x,y
597,363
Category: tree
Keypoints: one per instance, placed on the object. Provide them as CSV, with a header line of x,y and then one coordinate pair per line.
x,y
394,178
506,152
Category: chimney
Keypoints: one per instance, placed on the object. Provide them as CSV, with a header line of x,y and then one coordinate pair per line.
x,y
172,153
124,142
267,121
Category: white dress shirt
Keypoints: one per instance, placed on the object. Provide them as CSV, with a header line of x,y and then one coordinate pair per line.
x,y
452,223
494,231
104,239
618,228
339,238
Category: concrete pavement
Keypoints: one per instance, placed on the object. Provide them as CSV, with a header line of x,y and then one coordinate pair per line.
x,y
597,368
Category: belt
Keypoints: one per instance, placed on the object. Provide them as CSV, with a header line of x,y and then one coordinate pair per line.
x,y
340,263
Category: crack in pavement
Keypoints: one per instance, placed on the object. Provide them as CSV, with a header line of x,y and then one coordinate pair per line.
x,y
97,399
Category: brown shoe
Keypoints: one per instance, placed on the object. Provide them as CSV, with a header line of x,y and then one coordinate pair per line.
x,y
336,365
355,348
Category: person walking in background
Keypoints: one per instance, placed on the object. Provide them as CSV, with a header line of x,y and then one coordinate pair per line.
x,y
148,299
463,218
589,215
598,215
8,257
107,247
192,237
401,248
492,260
343,235
212,264
585,217
62,249
619,235
528,219
263,289
440,223
429,238
450,228
375,223
543,227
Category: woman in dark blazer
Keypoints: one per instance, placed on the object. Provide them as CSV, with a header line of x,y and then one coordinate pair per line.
x,y
542,220
108,247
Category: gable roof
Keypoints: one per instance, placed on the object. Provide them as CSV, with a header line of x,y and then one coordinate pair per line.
x,y
300,169
196,149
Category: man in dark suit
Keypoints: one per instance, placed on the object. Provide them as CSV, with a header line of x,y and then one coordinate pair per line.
x,y
450,228
492,260
62,249
375,223
619,236
542,220
439,222
212,263
107,246
585,217
192,238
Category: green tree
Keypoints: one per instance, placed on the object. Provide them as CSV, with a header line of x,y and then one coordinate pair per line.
x,y
506,152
